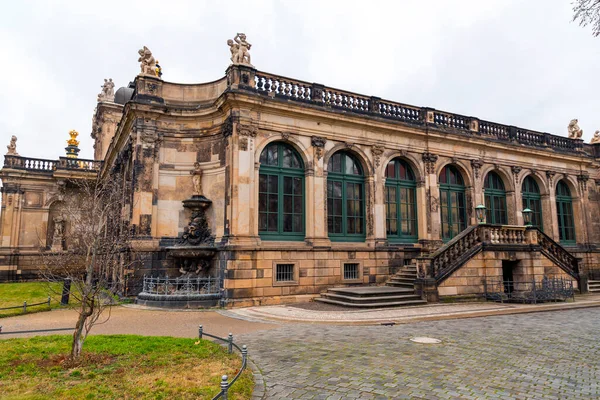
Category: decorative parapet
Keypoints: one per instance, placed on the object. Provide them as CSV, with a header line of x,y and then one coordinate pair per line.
x,y
49,166
296,90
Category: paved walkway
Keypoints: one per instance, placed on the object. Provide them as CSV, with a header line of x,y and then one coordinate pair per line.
x,y
551,355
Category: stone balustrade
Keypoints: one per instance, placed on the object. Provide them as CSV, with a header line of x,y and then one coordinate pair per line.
x,y
49,166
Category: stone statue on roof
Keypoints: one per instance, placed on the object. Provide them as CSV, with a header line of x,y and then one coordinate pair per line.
x,y
240,53
147,62
575,132
596,138
12,147
108,91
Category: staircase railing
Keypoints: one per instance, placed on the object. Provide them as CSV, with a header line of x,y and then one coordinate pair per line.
x,y
450,257
555,252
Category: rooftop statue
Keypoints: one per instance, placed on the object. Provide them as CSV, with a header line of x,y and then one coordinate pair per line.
x,y
12,147
596,138
108,91
240,50
147,62
575,132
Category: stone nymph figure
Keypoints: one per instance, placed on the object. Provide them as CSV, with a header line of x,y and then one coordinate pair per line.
x,y
12,147
197,179
147,62
596,138
575,132
240,50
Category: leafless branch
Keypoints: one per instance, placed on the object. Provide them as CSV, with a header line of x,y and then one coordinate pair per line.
x,y
587,12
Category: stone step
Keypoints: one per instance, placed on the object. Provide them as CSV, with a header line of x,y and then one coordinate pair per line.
x,y
369,291
404,275
401,279
373,304
410,286
372,299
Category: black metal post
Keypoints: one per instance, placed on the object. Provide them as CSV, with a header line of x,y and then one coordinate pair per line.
x,y
66,292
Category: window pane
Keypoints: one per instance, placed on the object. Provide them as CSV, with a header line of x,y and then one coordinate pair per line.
x,y
273,203
297,204
273,183
298,226
390,171
262,183
297,186
287,223
272,222
262,222
287,204
287,185
262,202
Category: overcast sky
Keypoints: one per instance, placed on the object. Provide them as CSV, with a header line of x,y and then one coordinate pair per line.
x,y
515,62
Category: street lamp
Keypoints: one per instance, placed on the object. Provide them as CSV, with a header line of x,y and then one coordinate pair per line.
x,y
527,216
480,213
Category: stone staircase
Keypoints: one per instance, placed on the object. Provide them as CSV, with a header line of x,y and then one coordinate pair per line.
x,y
399,291
594,286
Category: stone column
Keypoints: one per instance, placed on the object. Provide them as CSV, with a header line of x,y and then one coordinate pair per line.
x,y
146,177
434,234
379,217
552,230
316,210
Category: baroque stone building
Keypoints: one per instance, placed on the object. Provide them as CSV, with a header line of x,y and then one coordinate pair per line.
x,y
307,187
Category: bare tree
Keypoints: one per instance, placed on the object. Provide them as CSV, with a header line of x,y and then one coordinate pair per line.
x,y
587,12
90,250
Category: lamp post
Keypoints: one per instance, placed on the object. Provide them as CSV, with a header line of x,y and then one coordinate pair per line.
x,y
480,213
527,216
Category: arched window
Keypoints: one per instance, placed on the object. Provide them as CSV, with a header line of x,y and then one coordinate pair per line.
x,y
564,210
530,192
452,202
281,193
400,202
345,198
495,199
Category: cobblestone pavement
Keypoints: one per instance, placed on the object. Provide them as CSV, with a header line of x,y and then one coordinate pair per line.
x,y
550,355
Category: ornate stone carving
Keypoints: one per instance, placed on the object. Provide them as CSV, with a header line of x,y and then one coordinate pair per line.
x,y
239,49
108,91
349,145
582,179
12,147
285,135
318,143
550,175
515,170
197,231
147,62
243,143
476,164
197,179
430,159
247,130
377,151
57,235
575,132
596,138
227,127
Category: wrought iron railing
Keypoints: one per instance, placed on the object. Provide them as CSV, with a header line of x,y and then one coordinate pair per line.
x,y
530,291
181,285
49,166
225,383
297,90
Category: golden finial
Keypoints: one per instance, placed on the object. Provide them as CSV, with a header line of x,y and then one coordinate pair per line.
x,y
73,141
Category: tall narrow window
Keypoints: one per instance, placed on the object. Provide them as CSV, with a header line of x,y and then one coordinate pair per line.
x,y
400,202
564,210
345,198
530,193
495,200
452,202
281,193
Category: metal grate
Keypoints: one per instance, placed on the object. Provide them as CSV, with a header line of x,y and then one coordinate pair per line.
x,y
351,271
284,273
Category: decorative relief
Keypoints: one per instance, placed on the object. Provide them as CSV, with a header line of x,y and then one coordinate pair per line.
x,y
476,164
12,147
582,179
515,170
377,151
243,143
349,145
227,127
247,130
430,159
285,135
550,175
596,138
318,143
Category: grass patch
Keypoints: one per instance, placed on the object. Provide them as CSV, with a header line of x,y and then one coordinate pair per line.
x,y
14,294
118,367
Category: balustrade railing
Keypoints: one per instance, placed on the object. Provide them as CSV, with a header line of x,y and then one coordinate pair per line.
x,y
43,165
447,259
273,85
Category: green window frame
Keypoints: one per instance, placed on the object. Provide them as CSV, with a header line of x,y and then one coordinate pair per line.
x,y
281,199
452,202
564,210
345,198
532,199
495,200
400,202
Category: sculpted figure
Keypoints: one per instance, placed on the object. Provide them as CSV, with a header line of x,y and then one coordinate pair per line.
x,y
575,132
243,49
147,62
235,50
12,147
58,227
596,138
197,179
108,91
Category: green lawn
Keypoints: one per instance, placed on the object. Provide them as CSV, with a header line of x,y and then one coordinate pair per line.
x,y
14,294
118,367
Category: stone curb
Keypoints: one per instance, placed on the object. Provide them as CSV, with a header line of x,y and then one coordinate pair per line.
x,y
406,320
260,387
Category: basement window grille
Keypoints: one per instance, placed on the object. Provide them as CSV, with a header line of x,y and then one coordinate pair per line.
x,y
284,273
351,271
